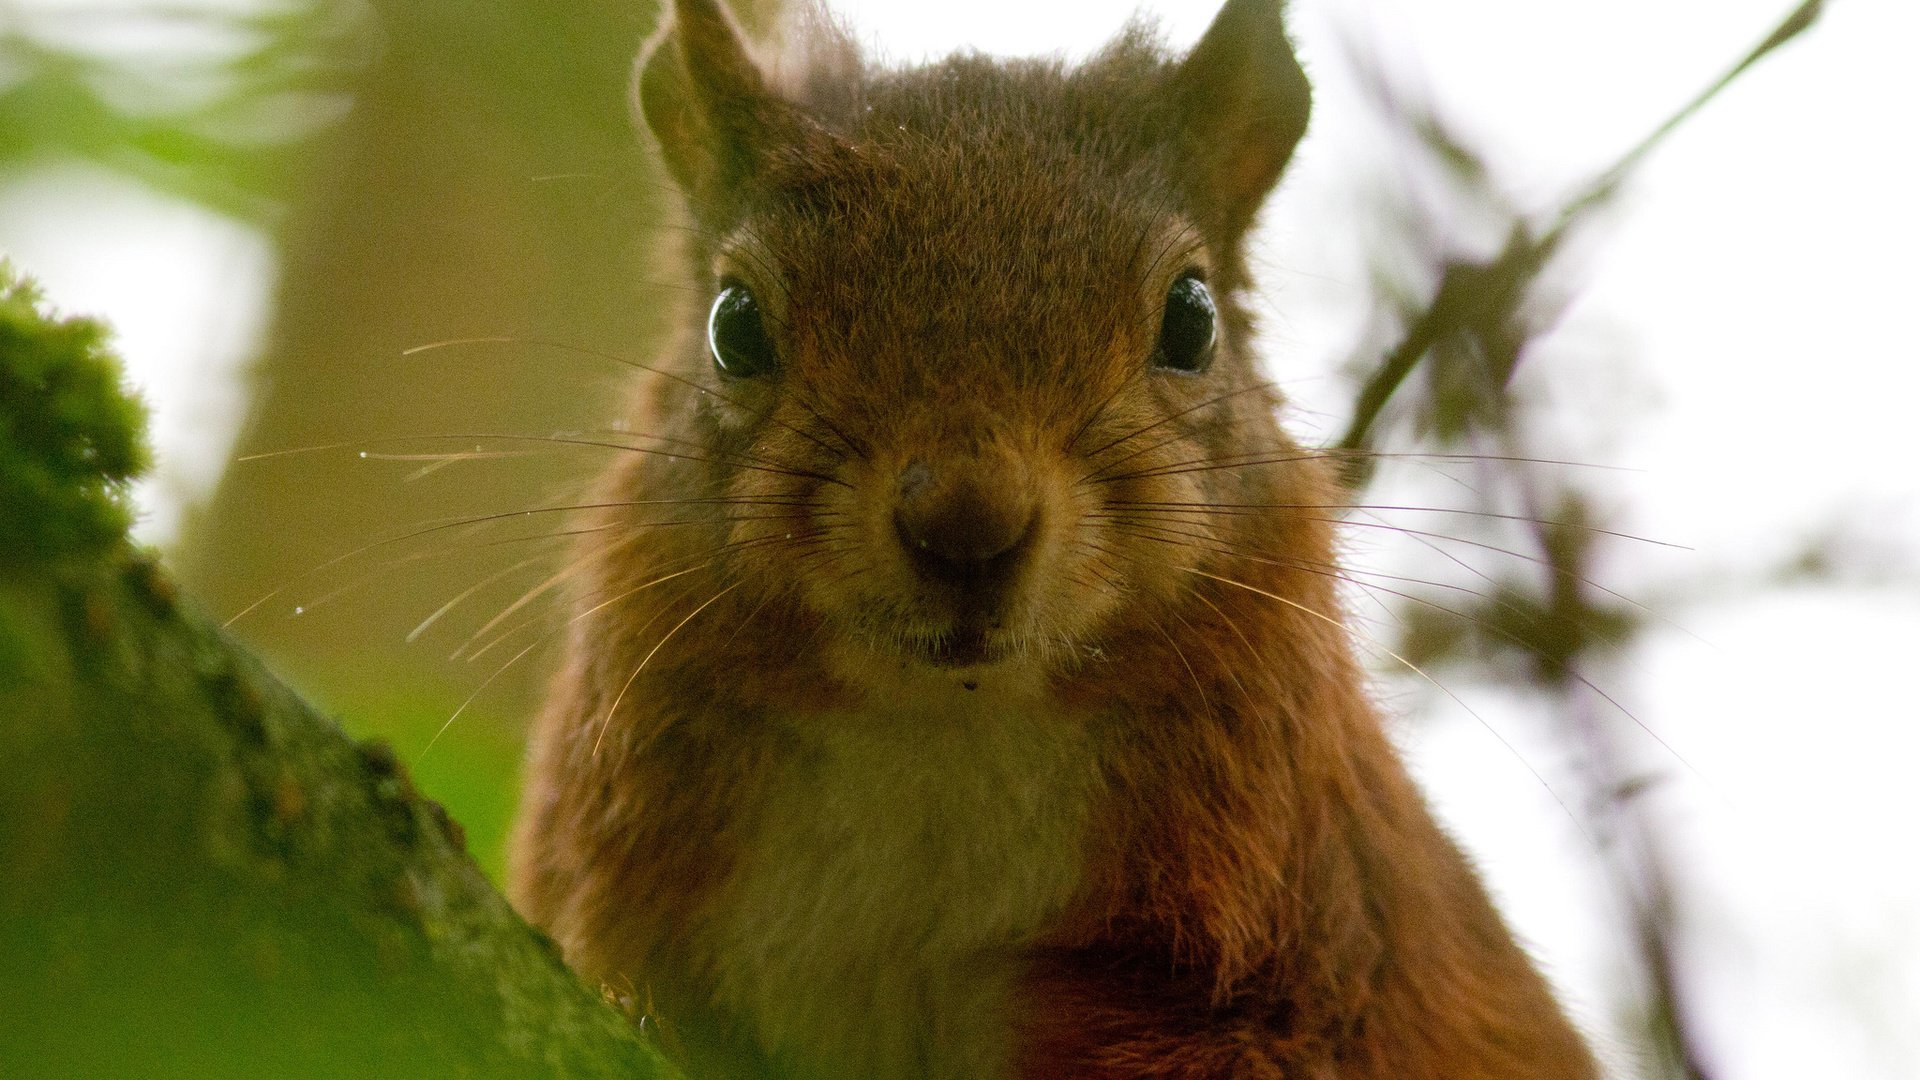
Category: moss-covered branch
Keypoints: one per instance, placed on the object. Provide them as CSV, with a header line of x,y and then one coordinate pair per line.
x,y
199,875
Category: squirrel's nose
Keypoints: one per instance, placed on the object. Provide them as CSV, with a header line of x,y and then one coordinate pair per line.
x,y
965,522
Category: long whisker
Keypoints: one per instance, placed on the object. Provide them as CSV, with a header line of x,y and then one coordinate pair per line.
x,y
621,696
1428,543
1094,416
530,646
552,440
1248,510
481,519
540,590
1416,669
443,458
1137,432
488,681
535,643
1184,662
1538,528
1210,464
575,568
414,634
1233,461
1220,546
1424,537
698,444
562,346
1252,653
1226,667
1348,575
1521,643
1465,458
357,582
742,624
859,449
1548,564
1327,570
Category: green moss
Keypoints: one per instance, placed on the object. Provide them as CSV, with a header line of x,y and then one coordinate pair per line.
x,y
200,875
71,437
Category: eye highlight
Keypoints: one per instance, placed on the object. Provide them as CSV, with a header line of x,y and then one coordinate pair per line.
x,y
1186,327
736,335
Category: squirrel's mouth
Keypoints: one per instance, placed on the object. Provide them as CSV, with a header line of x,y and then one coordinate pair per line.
x,y
971,652
996,635
967,646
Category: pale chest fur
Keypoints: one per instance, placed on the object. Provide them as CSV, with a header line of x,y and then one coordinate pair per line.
x,y
904,854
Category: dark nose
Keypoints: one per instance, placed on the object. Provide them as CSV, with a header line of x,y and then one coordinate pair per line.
x,y
966,521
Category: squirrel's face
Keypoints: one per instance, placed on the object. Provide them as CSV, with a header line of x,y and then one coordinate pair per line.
x,y
975,332
970,369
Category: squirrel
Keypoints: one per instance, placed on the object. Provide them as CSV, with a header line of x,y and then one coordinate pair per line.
x,y
956,684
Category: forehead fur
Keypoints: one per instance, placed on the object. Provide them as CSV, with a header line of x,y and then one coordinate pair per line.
x,y
976,203
983,130
1215,126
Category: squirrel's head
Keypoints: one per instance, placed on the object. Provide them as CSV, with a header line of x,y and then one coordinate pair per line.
x,y
975,327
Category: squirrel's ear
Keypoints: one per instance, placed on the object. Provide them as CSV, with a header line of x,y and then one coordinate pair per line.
x,y
709,104
1243,102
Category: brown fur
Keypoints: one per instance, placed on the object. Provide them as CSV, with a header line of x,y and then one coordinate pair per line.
x,y
964,264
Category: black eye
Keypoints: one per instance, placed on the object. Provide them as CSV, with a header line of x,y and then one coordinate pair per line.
x,y
1186,327
735,335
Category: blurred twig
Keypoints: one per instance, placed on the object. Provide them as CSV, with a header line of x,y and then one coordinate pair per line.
x,y
1470,337
1475,296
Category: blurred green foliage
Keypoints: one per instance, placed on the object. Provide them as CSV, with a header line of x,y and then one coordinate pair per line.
x,y
219,117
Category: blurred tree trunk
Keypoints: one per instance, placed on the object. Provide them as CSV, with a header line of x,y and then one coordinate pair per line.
x,y
487,182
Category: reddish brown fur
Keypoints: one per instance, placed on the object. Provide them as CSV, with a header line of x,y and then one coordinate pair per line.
x,y
960,264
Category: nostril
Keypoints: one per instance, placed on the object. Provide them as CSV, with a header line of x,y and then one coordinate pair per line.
x,y
962,540
962,530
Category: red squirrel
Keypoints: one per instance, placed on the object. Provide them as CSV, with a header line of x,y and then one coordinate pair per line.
x,y
957,684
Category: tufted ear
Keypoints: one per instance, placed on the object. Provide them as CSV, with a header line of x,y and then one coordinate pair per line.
x,y
717,120
1243,103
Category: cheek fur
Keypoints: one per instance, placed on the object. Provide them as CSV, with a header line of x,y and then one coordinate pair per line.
x,y
1151,529
786,523
1121,524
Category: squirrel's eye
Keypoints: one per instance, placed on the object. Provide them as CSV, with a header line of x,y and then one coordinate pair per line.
x,y
1186,327
735,335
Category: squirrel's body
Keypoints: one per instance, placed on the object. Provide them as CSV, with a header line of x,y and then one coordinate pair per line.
x,y
958,688
898,854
